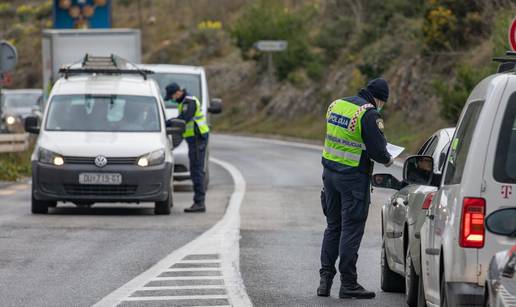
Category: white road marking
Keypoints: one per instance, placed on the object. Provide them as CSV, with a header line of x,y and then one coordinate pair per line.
x,y
222,239
176,297
191,269
188,278
203,287
200,261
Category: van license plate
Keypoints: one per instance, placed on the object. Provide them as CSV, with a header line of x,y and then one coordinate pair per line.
x,y
100,178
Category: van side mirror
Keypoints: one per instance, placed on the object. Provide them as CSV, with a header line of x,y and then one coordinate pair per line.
x,y
176,126
502,222
31,124
215,106
386,181
418,170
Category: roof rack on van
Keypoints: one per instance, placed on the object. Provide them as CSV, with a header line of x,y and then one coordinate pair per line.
x,y
507,63
110,65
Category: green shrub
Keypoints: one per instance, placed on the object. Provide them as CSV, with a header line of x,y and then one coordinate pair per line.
x,y
451,24
499,32
15,165
270,20
334,35
453,95
379,56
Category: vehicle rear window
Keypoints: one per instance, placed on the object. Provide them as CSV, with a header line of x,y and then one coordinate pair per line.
x,y
505,162
461,142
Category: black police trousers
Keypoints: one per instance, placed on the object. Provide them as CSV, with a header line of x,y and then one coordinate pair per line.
x,y
197,147
346,205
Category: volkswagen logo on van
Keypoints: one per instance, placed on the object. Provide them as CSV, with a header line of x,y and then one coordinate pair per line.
x,y
100,161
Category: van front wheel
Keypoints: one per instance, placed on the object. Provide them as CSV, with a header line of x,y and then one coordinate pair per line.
x,y
164,207
40,206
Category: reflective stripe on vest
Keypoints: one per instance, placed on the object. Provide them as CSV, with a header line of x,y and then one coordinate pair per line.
x,y
343,154
343,143
198,119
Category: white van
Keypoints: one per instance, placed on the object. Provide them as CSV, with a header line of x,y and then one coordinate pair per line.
x,y
102,139
193,79
480,177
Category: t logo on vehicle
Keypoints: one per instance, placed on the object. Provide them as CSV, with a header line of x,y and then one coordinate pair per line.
x,y
100,161
506,191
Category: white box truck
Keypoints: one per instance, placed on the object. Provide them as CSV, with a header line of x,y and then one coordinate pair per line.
x,y
63,47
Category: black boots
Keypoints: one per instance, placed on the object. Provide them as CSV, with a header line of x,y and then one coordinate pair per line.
x,y
325,285
196,207
356,291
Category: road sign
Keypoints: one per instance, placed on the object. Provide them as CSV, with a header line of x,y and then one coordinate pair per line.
x,y
271,46
512,34
8,56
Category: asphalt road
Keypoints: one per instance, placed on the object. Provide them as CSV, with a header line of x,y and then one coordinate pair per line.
x,y
75,257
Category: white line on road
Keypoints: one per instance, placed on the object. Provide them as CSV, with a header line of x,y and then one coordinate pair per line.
x,y
188,278
176,297
222,239
191,269
203,287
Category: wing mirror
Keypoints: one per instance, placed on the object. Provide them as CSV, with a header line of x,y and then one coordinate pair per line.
x,y
386,181
176,126
418,170
502,222
215,106
31,124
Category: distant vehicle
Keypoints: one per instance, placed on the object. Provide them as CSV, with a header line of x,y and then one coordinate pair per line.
x,y
16,105
402,217
103,139
479,178
193,78
64,47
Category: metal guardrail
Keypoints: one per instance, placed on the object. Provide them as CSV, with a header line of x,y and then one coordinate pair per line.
x,y
14,142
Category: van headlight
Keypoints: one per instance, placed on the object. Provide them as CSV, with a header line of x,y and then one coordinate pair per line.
x,y
154,158
49,157
10,120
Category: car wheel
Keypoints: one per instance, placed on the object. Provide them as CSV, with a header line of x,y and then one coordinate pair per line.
x,y
40,206
164,207
411,282
444,294
390,281
421,301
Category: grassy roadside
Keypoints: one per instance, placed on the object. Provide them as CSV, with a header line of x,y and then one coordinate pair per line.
x,y
14,166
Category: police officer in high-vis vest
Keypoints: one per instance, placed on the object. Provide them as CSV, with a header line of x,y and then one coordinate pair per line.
x,y
196,135
354,136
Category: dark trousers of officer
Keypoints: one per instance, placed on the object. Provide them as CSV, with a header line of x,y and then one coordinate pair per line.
x,y
346,205
197,146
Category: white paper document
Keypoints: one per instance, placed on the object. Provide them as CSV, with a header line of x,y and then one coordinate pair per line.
x,y
394,150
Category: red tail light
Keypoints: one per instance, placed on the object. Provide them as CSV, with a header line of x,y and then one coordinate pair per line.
x,y
472,231
428,200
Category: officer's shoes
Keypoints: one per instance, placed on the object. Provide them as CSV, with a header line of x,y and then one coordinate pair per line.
x,y
356,291
325,285
196,207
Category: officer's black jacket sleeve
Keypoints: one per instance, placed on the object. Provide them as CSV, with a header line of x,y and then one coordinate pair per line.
x,y
188,113
375,142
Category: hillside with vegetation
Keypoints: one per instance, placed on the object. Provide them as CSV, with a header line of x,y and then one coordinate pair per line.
x,y
432,52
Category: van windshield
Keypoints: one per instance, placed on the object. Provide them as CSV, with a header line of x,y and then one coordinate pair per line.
x,y
505,163
190,82
110,113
